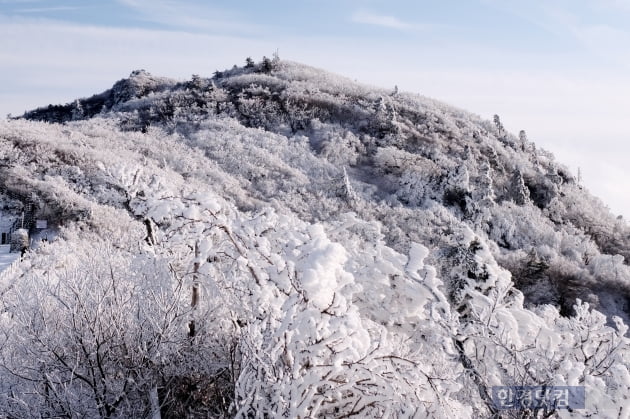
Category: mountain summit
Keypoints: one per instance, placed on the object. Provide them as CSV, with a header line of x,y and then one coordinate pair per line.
x,y
278,240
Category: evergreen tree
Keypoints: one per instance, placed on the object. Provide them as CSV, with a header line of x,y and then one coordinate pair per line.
x,y
196,82
267,66
499,125
275,60
77,110
484,193
519,192
522,136
345,189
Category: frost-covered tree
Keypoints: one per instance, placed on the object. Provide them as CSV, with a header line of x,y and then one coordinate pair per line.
x,y
458,190
345,188
484,190
266,65
219,207
95,338
498,125
518,190
20,240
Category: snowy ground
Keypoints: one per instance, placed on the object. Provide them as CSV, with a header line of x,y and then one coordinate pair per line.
x,y
6,258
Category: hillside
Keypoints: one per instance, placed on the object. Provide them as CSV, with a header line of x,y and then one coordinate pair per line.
x,y
293,243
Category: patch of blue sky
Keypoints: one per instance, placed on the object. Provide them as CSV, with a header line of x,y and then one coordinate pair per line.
x,y
450,19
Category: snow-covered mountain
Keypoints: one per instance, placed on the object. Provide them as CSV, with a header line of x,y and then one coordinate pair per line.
x,y
280,241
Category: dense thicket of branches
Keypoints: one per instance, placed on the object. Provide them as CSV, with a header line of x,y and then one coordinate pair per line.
x,y
339,250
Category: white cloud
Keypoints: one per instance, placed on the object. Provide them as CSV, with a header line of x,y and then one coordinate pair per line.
x,y
191,17
52,62
622,5
46,9
369,18
605,41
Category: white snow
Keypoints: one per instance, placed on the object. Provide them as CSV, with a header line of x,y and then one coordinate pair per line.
x,y
6,258
330,304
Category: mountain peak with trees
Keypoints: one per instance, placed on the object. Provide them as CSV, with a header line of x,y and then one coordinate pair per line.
x,y
276,240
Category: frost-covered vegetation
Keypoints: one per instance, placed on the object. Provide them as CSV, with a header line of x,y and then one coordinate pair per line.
x,y
277,241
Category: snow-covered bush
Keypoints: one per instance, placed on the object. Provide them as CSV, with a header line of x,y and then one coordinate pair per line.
x,y
207,263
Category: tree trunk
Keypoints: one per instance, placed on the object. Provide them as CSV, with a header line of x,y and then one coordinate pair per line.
x,y
195,292
154,403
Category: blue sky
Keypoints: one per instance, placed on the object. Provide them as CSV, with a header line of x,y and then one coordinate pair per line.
x,y
557,68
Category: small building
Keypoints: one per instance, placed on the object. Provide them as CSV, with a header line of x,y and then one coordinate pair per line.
x,y
7,225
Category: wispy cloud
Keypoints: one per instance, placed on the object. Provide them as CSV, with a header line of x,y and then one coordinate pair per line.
x,y
580,21
46,9
42,68
376,19
191,17
19,1
617,4
607,41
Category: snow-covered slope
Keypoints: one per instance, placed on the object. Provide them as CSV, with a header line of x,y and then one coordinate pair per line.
x,y
293,243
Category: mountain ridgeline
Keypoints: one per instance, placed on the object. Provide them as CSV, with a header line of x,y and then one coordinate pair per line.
x,y
401,155
332,248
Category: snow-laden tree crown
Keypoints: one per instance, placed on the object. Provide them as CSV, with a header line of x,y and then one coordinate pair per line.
x,y
279,241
